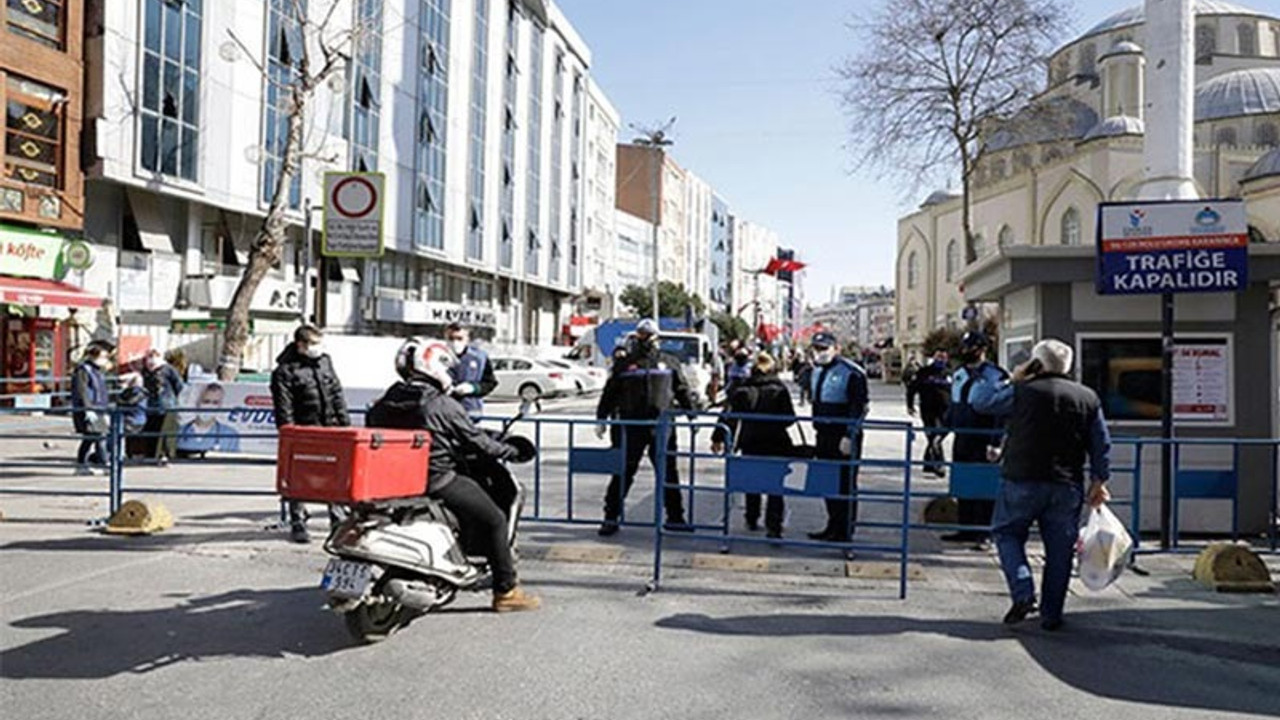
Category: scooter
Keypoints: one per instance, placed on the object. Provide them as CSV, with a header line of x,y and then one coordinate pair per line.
x,y
394,561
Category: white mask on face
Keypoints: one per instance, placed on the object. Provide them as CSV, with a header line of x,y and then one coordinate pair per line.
x,y
314,351
458,347
102,362
154,363
824,357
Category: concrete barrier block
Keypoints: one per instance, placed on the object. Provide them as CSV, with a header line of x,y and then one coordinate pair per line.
x,y
864,570
593,554
734,563
1227,567
941,511
136,517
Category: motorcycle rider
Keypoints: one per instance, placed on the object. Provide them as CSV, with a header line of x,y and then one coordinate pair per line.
x,y
422,401
643,385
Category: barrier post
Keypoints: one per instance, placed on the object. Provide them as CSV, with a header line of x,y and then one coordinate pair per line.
x,y
115,461
660,431
906,515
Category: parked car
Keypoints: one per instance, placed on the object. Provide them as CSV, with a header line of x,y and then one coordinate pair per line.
x,y
588,379
531,379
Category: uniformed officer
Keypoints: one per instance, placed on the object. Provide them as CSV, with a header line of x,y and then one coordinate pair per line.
x,y
839,390
473,377
976,437
643,384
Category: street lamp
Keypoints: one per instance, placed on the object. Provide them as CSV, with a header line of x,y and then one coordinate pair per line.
x,y
656,138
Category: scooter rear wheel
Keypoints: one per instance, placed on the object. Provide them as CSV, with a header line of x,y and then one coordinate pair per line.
x,y
371,623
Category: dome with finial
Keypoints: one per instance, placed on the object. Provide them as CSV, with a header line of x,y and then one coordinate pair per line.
x,y
1116,126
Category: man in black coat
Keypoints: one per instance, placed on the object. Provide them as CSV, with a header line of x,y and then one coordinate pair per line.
x,y
761,393
306,391
643,385
932,385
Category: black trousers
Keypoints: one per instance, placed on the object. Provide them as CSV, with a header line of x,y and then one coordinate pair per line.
x,y
934,457
636,439
841,513
477,511
774,509
92,450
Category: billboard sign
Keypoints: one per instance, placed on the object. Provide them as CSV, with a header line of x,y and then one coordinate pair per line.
x,y
1181,246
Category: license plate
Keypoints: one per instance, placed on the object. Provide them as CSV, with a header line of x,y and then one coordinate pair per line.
x,y
346,578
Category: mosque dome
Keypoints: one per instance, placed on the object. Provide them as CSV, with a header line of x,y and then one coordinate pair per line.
x,y
1267,166
1252,91
1116,126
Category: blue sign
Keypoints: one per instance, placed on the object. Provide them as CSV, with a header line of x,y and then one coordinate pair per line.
x,y
1172,247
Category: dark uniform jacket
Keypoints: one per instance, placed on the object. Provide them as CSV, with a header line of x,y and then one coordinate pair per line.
x,y
306,391
643,385
473,367
932,384
839,391
971,447
420,405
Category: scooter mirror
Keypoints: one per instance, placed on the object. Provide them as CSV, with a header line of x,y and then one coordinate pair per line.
x,y
526,407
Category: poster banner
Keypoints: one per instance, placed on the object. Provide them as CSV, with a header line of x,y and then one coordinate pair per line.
x,y
1201,391
1172,247
238,418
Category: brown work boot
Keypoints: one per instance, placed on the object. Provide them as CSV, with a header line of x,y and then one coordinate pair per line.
x,y
515,600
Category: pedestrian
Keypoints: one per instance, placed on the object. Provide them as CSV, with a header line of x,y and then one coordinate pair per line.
x,y
89,402
840,403
739,369
803,371
1054,423
164,386
131,402
932,384
305,390
763,393
977,435
643,385
473,377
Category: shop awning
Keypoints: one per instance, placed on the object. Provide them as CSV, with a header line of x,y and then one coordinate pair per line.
x,y
34,292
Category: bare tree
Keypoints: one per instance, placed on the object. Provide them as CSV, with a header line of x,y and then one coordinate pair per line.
x,y
933,75
300,73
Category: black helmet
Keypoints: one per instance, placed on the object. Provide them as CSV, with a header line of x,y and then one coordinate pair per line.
x,y
526,451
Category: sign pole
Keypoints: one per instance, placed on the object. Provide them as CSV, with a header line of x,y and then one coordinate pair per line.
x,y
1166,421
304,304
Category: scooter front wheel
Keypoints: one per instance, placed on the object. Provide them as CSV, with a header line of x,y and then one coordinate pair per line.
x,y
374,622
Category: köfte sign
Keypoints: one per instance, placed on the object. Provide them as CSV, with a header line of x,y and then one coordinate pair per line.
x,y
1172,247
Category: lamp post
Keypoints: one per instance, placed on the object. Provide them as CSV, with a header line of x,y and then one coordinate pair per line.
x,y
656,140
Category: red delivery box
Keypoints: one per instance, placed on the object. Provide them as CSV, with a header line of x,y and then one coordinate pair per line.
x,y
347,465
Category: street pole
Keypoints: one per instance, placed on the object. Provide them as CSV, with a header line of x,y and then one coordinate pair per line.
x,y
1166,421
655,196
304,302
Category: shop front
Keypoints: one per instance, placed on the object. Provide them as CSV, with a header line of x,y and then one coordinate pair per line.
x,y
41,313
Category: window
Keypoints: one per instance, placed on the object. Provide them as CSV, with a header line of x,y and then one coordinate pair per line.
x,y
953,259
33,133
1088,59
557,166
1206,44
1070,227
284,53
43,21
521,365
1226,136
507,199
479,115
1247,39
913,269
433,106
1006,236
365,68
911,323
1265,135
1126,374
170,109
979,246
533,192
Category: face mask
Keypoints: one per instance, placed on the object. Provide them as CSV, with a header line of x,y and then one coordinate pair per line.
x,y
102,362
314,351
824,357
154,363
458,346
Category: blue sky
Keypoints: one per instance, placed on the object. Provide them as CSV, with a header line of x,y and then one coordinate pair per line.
x,y
750,82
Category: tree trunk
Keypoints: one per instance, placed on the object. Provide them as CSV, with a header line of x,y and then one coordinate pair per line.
x,y
267,249
966,211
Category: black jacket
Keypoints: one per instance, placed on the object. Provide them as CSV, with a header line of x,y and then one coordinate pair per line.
x,y
306,391
1049,431
932,384
421,405
759,395
643,385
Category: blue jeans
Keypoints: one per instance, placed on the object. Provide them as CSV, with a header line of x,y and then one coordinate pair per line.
x,y
1055,508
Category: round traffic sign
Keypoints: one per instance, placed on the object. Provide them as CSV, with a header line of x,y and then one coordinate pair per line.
x,y
353,197
969,313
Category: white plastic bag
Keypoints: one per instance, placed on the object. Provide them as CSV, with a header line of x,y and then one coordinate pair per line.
x,y
1104,545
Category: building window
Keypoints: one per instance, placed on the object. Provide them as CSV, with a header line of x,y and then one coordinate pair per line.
x,y
284,53
365,73
433,109
1265,135
913,269
43,21
557,166
979,245
1088,60
1006,236
953,259
575,181
33,133
1070,227
170,109
911,323
1226,136
533,192
1247,39
1206,44
479,115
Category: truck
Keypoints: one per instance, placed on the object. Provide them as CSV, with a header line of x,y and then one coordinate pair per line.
x,y
699,360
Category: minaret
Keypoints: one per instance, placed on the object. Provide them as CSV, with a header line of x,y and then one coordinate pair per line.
x,y
1167,153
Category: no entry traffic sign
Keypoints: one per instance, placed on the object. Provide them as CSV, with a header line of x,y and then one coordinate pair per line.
x,y
1172,247
352,214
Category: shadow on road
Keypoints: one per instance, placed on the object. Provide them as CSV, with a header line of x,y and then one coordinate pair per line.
x,y
1147,657
240,623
